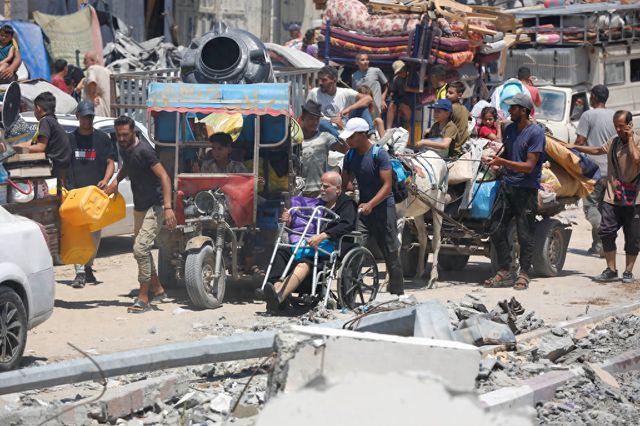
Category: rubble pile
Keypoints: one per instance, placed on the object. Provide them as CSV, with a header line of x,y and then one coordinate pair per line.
x,y
127,55
473,323
562,350
591,400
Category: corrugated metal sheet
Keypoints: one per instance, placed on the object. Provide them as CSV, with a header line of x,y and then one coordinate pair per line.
x,y
260,99
295,57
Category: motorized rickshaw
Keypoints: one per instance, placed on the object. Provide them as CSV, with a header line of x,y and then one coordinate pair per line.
x,y
223,218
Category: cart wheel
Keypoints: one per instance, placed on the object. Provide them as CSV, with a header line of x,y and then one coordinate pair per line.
x,y
203,289
550,249
358,278
166,271
453,262
512,237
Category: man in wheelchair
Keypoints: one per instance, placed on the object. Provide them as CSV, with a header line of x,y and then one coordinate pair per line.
x,y
326,239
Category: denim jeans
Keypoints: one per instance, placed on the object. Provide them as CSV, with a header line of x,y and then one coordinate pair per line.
x,y
591,206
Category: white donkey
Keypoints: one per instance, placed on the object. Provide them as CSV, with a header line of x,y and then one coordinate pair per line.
x,y
428,189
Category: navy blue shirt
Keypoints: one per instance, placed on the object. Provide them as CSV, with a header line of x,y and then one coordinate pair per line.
x,y
366,170
517,144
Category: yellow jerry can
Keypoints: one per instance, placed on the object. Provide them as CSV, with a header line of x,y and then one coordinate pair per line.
x,y
84,206
116,210
76,244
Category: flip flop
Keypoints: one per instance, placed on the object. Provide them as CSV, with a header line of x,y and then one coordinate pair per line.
x,y
159,297
139,307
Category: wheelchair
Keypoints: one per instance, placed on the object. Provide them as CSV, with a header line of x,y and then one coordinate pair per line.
x,y
350,266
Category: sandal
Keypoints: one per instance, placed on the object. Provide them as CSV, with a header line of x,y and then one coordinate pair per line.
x,y
500,279
159,297
522,282
139,307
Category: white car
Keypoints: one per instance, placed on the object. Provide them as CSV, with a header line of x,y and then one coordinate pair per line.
x,y
27,284
70,123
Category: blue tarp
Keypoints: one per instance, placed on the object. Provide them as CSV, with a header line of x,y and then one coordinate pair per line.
x,y
31,44
261,99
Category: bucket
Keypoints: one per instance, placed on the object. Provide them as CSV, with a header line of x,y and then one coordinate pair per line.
x,y
76,244
84,206
116,210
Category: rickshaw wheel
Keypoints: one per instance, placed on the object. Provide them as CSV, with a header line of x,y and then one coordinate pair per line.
x,y
358,278
204,290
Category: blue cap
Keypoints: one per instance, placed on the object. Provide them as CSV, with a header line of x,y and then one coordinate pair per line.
x,y
444,104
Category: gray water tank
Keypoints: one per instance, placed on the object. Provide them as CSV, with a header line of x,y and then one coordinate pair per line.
x,y
226,56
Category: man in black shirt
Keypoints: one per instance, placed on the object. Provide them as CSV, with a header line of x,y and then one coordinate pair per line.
x,y
50,137
151,189
92,163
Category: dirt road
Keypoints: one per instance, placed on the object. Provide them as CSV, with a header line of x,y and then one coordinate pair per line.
x,y
95,318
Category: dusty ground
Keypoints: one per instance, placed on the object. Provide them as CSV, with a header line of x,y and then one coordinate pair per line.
x,y
95,318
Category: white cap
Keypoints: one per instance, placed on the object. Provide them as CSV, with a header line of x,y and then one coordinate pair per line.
x,y
354,125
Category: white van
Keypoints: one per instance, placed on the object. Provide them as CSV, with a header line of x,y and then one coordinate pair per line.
x,y
615,66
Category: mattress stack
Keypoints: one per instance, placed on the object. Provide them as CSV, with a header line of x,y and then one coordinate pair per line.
x,y
386,37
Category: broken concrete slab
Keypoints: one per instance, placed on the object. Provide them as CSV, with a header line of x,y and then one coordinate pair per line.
x,y
432,321
307,354
380,399
480,331
594,371
553,347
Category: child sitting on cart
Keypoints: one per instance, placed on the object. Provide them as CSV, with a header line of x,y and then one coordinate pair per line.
x,y
327,240
218,157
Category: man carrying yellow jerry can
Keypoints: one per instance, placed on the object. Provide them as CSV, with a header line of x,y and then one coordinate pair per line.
x,y
93,158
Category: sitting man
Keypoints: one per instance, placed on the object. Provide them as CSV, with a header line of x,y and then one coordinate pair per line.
x,y
218,158
338,103
345,208
443,135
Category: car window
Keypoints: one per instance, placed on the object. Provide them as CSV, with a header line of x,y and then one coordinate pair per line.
x,y
579,105
552,106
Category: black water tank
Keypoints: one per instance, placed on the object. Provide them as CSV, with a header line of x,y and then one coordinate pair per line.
x,y
226,56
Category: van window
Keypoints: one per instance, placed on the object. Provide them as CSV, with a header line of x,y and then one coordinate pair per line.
x,y
552,106
579,105
634,64
614,73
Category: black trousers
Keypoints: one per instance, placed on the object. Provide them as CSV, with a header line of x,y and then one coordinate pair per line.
x,y
616,217
381,225
520,204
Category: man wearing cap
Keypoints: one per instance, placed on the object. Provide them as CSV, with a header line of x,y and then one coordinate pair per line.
x,y
296,37
375,79
524,75
93,157
371,167
443,135
338,103
400,99
521,162
315,149
595,128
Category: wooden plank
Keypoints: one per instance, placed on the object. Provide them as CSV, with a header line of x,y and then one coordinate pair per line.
x,y
30,172
17,158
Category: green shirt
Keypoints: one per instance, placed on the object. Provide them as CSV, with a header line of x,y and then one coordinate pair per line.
x,y
449,130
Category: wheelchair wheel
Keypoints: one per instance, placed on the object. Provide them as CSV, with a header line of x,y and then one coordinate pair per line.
x,y
358,278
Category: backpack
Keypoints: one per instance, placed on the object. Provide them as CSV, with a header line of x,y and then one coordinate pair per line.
x,y
398,175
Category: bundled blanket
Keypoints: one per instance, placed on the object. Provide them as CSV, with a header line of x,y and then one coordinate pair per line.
x,y
354,15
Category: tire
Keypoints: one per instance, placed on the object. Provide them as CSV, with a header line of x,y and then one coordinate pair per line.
x,y
166,271
550,249
198,279
13,329
453,262
358,278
